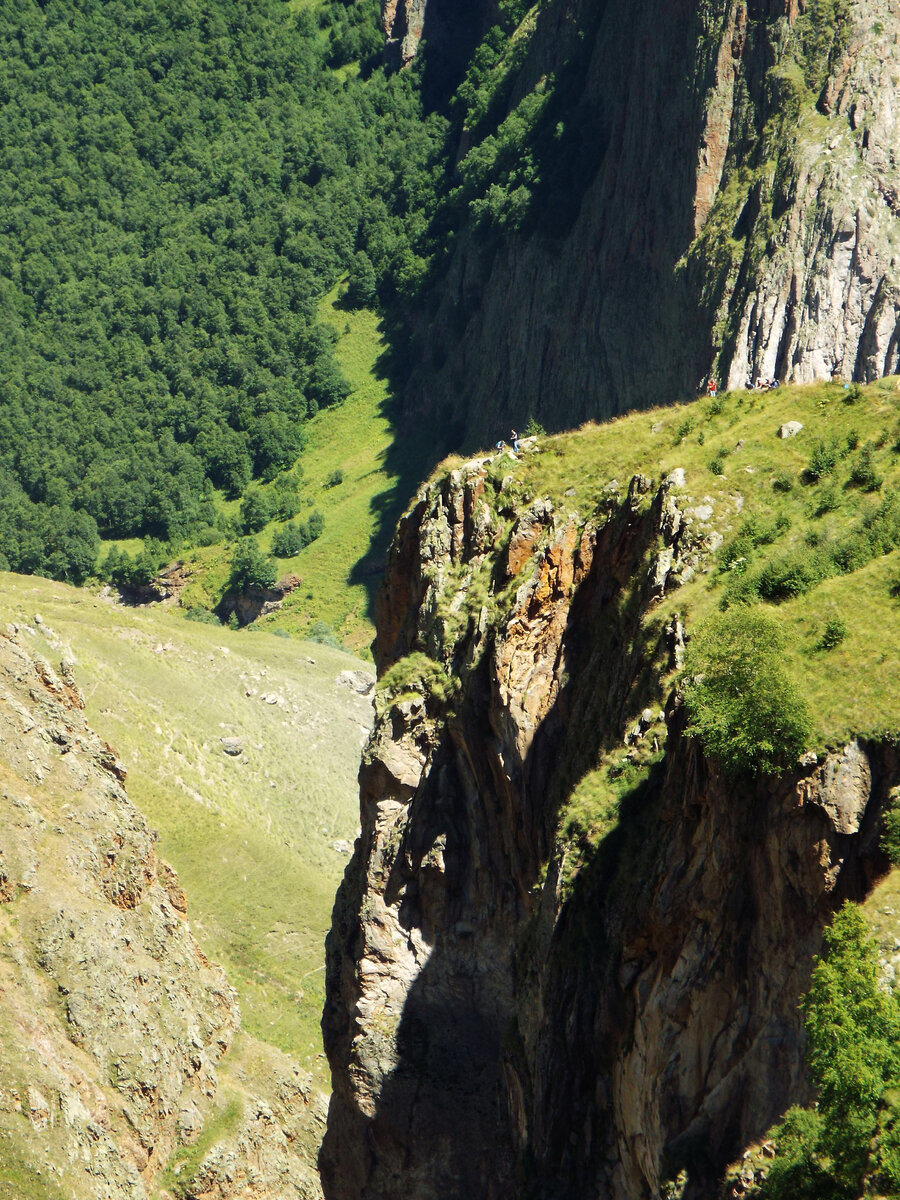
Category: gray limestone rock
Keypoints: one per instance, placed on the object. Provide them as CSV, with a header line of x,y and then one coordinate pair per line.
x,y
790,429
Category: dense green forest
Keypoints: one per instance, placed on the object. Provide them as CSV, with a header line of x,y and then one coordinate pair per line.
x,y
180,181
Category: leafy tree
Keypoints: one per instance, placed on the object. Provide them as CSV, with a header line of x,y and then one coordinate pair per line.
x,y
740,701
293,537
285,497
360,282
250,567
315,525
849,1146
289,540
256,510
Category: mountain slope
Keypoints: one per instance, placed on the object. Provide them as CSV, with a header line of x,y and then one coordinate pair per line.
x,y
252,836
114,1024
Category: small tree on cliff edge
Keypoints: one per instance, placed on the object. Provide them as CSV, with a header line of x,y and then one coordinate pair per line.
x,y
250,567
740,702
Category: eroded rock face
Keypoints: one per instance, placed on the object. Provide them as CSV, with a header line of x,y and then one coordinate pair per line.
x,y
490,1030
716,218
112,1021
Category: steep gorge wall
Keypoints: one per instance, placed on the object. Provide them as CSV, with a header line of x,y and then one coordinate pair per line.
x,y
494,1028
722,214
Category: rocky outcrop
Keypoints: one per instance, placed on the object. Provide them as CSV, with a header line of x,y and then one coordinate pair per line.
x,y
253,602
514,1011
113,1023
451,29
718,193
403,22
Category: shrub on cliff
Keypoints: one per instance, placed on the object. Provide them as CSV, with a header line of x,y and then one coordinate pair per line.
x,y
741,703
849,1144
250,567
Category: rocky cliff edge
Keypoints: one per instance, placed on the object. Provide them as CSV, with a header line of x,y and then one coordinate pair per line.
x,y
536,987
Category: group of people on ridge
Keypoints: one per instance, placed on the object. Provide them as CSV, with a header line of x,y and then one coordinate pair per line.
x,y
761,385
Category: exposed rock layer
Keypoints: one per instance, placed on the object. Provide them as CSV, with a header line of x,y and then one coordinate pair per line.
x,y
728,207
491,1031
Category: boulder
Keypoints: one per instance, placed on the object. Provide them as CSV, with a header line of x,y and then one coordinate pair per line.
x,y
357,681
790,429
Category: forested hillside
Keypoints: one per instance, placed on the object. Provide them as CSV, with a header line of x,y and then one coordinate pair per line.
x,y
179,184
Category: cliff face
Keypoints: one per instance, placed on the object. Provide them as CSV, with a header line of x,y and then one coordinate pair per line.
x,y
725,199
511,1012
114,1026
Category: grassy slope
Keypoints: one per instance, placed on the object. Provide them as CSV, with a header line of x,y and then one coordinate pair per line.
x,y
853,688
252,837
341,569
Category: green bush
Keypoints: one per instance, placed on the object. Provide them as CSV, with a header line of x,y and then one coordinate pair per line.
x,y
250,567
315,525
790,575
823,459
876,535
741,703
863,473
321,632
783,482
201,615
755,531
293,537
848,1146
124,571
890,828
284,496
683,429
335,479
827,501
852,393
207,535
833,634
288,541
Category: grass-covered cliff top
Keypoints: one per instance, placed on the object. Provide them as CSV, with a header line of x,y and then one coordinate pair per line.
x,y
808,524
